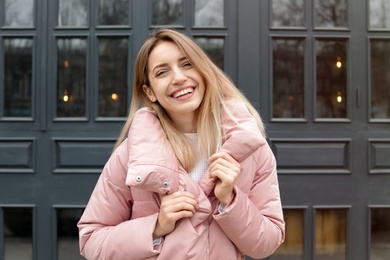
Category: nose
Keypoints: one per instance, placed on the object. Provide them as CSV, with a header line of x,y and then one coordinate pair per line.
x,y
178,76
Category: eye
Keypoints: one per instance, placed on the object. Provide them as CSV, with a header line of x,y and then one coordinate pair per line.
x,y
160,73
187,64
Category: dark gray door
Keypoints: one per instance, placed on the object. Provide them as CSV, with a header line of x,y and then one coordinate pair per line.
x,y
319,72
65,84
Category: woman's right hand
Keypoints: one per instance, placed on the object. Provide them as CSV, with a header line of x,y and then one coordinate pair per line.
x,y
175,206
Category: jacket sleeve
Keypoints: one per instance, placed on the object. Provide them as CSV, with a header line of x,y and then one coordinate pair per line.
x,y
105,228
254,222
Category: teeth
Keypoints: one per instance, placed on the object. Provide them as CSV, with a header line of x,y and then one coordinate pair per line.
x,y
182,92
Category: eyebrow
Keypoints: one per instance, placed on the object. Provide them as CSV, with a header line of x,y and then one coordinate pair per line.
x,y
165,64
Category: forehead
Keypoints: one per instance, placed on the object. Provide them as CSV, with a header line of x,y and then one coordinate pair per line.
x,y
164,52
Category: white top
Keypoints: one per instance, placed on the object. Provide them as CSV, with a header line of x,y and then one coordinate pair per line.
x,y
201,166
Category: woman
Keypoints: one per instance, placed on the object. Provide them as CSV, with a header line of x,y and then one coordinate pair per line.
x,y
191,176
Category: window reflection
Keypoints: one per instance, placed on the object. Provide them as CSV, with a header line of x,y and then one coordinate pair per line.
x,y
114,12
17,77
379,14
113,77
331,78
288,78
73,13
167,12
331,13
209,13
292,247
18,232
331,234
67,234
214,47
380,78
286,13
71,79
380,233
19,13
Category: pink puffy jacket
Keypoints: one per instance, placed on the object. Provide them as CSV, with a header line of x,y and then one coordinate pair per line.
x,y
122,212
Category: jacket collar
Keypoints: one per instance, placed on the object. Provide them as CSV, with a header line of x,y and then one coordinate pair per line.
x,y
153,165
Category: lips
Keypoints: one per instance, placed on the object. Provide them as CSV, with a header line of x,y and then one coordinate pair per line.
x,y
182,92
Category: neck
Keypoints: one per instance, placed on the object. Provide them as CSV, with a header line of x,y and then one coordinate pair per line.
x,y
185,123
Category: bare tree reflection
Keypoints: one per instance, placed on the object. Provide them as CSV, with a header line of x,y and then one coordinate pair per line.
x,y
18,77
331,13
167,12
214,47
19,13
331,72
73,13
71,77
114,12
209,13
380,233
380,78
113,73
379,13
288,80
288,13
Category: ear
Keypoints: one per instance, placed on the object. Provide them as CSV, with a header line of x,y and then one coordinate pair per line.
x,y
149,92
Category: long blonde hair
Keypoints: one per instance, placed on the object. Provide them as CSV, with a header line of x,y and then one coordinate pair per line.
x,y
218,87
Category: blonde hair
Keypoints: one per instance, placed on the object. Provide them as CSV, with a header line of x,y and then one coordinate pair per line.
x,y
218,87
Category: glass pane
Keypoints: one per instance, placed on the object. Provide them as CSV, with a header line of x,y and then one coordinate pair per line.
x,y
209,13
113,77
71,77
380,234
331,234
331,13
73,13
288,13
114,12
214,47
18,77
331,78
167,12
67,233
288,78
18,231
292,248
19,13
380,80
379,14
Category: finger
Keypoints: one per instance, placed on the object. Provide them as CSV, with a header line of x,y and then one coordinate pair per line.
x,y
220,162
179,194
175,216
226,179
184,206
225,166
179,202
224,159
223,155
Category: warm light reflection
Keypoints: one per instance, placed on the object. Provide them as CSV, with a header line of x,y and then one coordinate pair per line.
x,y
66,64
338,63
65,98
339,98
114,96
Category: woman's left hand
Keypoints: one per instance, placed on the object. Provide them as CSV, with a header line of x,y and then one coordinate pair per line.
x,y
225,170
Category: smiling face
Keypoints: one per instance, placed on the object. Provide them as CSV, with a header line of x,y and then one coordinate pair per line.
x,y
175,84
